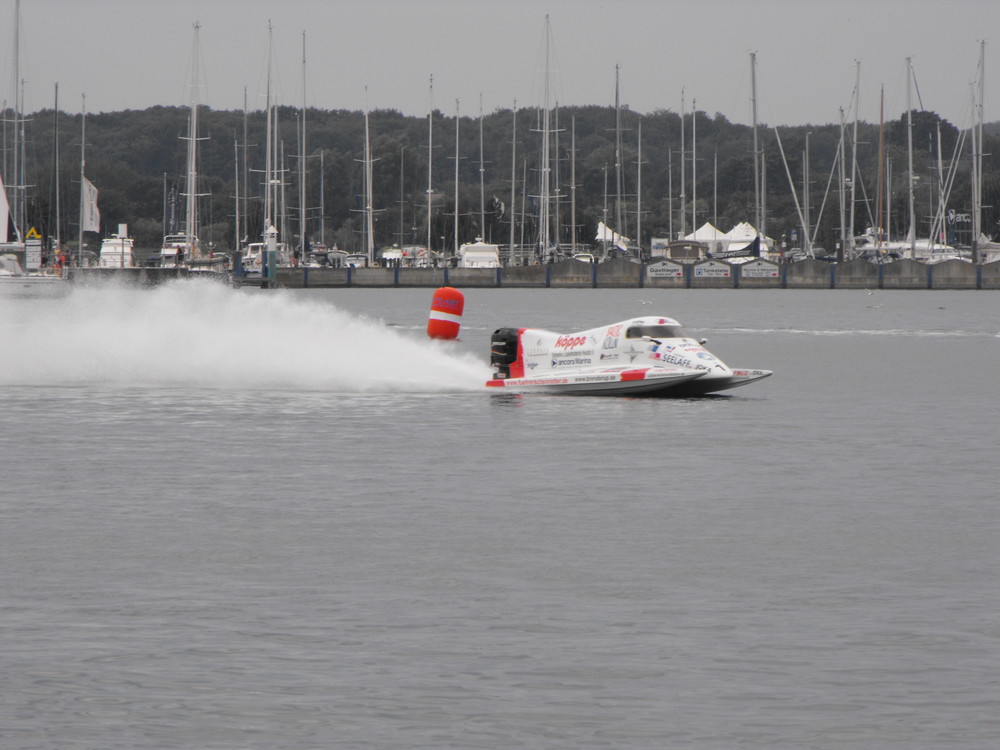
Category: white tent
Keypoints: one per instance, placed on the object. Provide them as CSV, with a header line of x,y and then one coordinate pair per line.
x,y
606,234
711,235
707,232
743,234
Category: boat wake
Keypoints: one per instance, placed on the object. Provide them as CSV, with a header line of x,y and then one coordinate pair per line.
x,y
852,332
205,335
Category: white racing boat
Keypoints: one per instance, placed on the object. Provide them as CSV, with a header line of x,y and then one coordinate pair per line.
x,y
641,356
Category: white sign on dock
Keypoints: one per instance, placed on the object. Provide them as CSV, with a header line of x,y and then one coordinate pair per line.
x,y
665,269
759,269
713,268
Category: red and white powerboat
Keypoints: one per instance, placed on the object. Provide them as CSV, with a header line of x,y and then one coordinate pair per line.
x,y
650,356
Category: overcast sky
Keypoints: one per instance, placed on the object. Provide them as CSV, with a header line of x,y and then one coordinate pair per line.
x,y
132,54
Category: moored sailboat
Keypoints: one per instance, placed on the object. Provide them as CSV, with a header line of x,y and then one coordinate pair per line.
x,y
182,248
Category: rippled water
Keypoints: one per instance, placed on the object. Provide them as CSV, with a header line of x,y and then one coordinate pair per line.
x,y
239,519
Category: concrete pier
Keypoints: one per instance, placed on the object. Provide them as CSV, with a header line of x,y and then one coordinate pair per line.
x,y
127,276
708,274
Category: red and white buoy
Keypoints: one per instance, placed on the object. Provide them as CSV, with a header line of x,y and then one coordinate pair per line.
x,y
446,313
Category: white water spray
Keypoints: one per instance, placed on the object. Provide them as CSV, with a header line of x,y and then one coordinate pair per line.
x,y
205,335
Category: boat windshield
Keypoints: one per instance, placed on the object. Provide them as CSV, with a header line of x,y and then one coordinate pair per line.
x,y
655,332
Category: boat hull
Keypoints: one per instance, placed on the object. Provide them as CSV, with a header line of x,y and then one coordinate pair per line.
x,y
707,385
644,381
33,286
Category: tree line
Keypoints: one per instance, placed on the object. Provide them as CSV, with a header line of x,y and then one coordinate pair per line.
x,y
137,160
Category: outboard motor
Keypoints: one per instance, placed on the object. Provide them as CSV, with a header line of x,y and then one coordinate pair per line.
x,y
503,351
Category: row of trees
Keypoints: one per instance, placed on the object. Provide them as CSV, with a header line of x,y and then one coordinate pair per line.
x,y
136,158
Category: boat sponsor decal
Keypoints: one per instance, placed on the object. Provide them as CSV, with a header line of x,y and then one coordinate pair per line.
x,y
596,379
705,355
633,352
676,359
608,356
538,381
570,342
572,361
615,330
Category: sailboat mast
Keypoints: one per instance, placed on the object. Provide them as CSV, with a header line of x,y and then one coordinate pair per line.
x,y
302,161
269,217
322,198
557,182
604,214
715,189
683,211
882,224
191,214
58,209
670,194
840,193
282,197
638,190
543,222
430,161
977,159
572,186
83,179
524,196
619,225
482,173
246,170
369,218
694,163
807,239
756,148
402,195
854,157
513,179
912,233
18,164
456,177
940,191
236,166
888,197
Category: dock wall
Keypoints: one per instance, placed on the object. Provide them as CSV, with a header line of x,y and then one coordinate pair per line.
x,y
620,274
127,276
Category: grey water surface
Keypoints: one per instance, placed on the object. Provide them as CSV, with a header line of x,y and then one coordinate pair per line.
x,y
271,557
